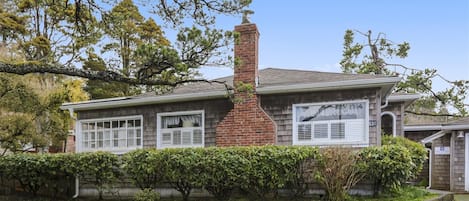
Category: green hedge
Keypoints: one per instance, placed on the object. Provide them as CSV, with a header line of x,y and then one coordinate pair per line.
x,y
388,166
418,153
260,171
255,171
56,172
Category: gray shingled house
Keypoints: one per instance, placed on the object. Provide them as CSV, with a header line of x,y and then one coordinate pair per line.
x,y
449,152
286,107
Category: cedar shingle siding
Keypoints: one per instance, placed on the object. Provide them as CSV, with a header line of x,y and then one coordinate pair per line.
x,y
279,107
215,111
441,166
458,160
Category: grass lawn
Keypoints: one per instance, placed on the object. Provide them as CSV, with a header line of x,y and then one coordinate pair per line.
x,y
407,194
461,197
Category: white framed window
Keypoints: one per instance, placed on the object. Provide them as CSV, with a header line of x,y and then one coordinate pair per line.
x,y
180,129
116,134
331,123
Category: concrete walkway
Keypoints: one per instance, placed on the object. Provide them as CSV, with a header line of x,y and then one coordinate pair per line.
x,y
461,197
443,195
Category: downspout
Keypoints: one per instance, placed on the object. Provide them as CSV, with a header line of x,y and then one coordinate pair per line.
x,y
385,104
77,181
429,168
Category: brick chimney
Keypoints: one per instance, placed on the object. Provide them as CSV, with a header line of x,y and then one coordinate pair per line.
x,y
247,123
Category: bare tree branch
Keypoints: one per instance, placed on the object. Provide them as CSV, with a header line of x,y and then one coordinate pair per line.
x,y
419,70
432,114
108,76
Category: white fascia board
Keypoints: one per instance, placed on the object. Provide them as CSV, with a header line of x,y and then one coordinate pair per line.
x,y
456,127
322,86
97,101
423,128
145,100
436,127
433,137
347,84
403,97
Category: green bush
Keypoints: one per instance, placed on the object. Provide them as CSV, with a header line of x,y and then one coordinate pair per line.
x,y
55,172
27,169
40,171
273,167
258,170
183,169
388,166
338,170
417,151
100,169
147,194
144,167
223,171
60,171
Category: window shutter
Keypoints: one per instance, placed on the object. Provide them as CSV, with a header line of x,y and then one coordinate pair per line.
x,y
321,130
197,138
338,130
176,137
186,137
355,130
166,138
304,132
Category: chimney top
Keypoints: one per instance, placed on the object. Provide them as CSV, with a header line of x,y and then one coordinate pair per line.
x,y
246,17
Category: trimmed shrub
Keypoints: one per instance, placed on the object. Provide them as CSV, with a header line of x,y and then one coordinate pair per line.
x,y
223,171
144,167
338,170
272,168
100,169
417,151
60,171
387,166
183,169
50,172
147,194
28,169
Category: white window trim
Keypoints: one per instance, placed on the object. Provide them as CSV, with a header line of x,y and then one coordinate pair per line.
x,y
393,121
364,143
159,136
79,137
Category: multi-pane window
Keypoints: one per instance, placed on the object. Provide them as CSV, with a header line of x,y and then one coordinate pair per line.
x,y
181,129
331,123
113,134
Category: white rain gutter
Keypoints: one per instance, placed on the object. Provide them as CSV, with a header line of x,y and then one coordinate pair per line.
x,y
423,128
125,101
435,136
429,168
77,181
456,127
106,103
424,141
403,97
346,84
385,104
436,127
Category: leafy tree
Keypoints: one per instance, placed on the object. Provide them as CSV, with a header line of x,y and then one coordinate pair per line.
x,y
374,56
55,31
98,89
196,46
30,117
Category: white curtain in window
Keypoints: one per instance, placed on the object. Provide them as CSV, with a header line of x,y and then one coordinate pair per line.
x,y
180,121
330,112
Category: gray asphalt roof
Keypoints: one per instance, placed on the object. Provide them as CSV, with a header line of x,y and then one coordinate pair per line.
x,y
463,121
272,77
